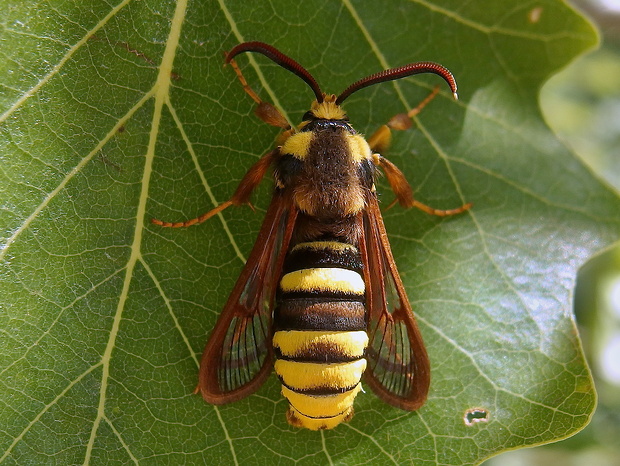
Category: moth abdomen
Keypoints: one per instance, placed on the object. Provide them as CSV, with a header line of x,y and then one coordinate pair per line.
x,y
320,339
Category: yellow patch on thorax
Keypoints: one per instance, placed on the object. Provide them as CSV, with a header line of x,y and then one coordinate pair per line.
x,y
297,145
358,147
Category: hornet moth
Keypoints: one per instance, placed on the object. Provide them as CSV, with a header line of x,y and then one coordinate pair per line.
x,y
320,297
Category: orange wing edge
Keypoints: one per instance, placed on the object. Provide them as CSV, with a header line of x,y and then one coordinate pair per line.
x,y
251,298
406,386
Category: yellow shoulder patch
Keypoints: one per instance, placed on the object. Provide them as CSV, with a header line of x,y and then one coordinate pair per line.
x,y
360,150
297,145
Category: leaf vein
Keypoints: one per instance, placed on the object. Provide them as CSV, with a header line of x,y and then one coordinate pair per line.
x,y
120,439
18,103
170,310
203,178
45,409
69,176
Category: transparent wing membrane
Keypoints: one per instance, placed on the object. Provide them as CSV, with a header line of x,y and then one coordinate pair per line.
x,y
398,367
238,355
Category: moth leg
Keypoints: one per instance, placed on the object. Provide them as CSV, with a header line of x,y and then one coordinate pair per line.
x,y
381,139
404,193
265,111
242,194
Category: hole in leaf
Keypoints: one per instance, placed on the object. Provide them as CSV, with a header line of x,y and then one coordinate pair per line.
x,y
475,415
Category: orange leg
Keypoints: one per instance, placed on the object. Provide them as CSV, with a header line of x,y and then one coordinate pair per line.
x,y
404,193
265,111
380,141
241,196
402,121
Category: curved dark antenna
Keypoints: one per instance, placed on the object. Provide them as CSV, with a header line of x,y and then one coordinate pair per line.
x,y
401,72
279,58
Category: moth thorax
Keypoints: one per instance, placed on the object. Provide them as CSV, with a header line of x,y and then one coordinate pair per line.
x,y
330,185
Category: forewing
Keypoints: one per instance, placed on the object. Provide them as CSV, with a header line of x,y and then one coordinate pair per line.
x,y
398,367
238,355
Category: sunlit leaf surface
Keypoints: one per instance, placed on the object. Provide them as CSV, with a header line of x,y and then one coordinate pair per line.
x,y
114,113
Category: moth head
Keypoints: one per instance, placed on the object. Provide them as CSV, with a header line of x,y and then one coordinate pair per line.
x,y
328,109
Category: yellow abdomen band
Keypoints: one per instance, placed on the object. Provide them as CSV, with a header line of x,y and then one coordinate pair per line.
x,y
310,375
321,405
323,279
292,343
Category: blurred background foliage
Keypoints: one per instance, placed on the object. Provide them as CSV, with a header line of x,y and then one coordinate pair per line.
x,y
582,105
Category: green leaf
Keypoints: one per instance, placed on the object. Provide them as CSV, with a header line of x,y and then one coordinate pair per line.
x,y
114,114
